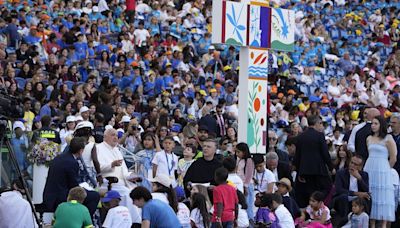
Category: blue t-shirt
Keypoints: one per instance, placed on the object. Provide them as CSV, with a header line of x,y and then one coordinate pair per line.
x,y
160,215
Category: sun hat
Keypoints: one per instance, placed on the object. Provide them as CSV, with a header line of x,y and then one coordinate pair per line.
x,y
84,124
70,119
162,179
286,182
83,109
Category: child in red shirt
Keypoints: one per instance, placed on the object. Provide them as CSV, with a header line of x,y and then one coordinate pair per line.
x,y
225,201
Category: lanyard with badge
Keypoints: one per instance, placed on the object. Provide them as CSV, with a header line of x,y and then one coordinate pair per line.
x,y
172,164
259,183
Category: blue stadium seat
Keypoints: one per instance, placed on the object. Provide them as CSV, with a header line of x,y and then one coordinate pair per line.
x,y
70,84
21,82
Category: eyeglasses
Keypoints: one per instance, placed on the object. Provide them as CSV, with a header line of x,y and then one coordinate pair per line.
x,y
272,139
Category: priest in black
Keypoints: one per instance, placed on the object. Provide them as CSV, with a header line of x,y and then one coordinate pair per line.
x,y
203,169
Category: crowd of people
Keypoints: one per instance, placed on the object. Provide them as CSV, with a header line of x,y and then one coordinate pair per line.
x,y
140,113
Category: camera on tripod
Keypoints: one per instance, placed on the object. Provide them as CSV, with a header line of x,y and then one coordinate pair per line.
x,y
10,108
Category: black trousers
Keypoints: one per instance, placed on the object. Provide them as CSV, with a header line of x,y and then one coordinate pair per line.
x,y
92,201
312,183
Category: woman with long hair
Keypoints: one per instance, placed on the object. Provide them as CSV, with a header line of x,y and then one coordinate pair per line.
x,y
343,158
199,215
198,188
381,146
39,92
245,170
163,190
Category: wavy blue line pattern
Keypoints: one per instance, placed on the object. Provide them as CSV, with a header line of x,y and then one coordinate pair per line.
x,y
258,71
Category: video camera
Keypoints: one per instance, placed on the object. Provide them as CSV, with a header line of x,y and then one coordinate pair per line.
x,y
10,106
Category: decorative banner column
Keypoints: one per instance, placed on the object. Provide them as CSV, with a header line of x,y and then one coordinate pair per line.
x,y
253,98
255,28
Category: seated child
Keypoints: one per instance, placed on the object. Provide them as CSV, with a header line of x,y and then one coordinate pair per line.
x,y
264,217
318,213
183,210
184,163
284,187
117,216
358,217
73,209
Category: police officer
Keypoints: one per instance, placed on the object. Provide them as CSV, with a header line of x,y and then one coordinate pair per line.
x,y
46,132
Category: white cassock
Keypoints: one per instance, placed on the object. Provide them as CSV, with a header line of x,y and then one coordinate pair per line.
x,y
15,211
106,155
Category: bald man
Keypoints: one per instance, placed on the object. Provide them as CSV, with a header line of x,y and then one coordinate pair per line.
x,y
358,137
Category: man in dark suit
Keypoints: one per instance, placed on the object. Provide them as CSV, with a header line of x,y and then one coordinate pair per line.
x,y
350,183
63,175
221,119
279,168
358,137
311,161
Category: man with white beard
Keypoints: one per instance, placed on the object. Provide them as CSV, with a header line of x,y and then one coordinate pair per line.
x,y
112,164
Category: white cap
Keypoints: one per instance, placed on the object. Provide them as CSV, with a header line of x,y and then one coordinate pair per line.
x,y
19,124
125,119
71,119
95,9
84,124
108,127
83,109
162,179
78,118
211,47
120,130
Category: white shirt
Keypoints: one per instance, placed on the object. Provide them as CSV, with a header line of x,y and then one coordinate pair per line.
x,y
118,217
345,99
264,179
243,218
166,164
284,217
351,144
237,181
183,214
63,136
87,155
15,211
353,186
106,155
160,196
275,172
197,218
141,36
127,46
